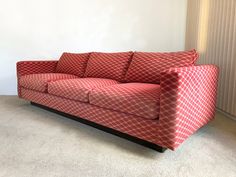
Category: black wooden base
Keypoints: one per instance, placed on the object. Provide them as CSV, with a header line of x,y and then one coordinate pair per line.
x,y
106,129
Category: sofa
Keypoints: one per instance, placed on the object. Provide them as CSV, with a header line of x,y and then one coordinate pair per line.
x,y
156,99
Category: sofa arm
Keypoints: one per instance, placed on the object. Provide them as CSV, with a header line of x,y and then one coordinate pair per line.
x,y
34,67
187,102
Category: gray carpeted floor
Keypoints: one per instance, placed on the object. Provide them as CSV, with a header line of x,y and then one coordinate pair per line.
x,y
34,142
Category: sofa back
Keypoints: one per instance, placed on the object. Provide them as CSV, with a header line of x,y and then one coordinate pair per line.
x,y
72,63
147,66
108,65
124,66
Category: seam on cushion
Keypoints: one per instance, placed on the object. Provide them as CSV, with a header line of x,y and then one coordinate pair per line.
x,y
86,64
157,118
50,81
89,90
66,98
157,104
123,79
34,90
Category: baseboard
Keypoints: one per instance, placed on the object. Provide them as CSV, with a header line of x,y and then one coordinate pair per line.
x,y
226,114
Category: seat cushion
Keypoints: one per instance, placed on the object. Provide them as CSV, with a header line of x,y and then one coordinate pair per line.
x,y
39,82
147,66
72,63
108,65
78,89
139,99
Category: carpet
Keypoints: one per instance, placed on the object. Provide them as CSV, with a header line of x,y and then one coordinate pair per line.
x,y
38,143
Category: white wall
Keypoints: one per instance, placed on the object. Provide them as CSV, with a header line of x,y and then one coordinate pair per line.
x,y
43,29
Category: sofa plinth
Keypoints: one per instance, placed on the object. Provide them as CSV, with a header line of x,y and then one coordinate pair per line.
x,y
105,129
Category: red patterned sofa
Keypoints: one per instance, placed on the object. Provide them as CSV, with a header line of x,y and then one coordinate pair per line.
x,y
154,99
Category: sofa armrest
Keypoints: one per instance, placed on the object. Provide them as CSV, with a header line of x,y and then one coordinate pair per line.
x,y
34,67
187,102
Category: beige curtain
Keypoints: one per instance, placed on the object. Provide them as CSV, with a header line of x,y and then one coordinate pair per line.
x,y
211,29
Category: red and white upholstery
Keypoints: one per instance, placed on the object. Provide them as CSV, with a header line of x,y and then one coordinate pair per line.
x,y
147,66
165,114
39,82
136,126
108,65
72,63
33,67
138,99
78,89
188,98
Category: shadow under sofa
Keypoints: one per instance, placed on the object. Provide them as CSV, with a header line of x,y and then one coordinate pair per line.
x,y
155,99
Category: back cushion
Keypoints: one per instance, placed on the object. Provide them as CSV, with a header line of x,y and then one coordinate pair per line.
x,y
147,66
108,65
72,63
